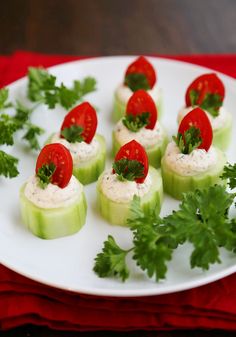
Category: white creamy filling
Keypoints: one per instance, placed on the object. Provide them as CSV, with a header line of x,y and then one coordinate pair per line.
x,y
123,191
216,122
146,137
124,93
198,161
80,152
52,196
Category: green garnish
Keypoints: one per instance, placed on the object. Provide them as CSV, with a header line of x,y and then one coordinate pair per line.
x,y
42,88
45,174
230,174
135,123
127,169
136,81
8,165
31,135
189,141
202,220
73,134
211,102
4,94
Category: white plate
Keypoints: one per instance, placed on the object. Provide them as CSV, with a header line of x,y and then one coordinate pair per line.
x,y
67,263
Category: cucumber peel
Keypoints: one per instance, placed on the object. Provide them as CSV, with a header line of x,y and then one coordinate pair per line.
x,y
117,213
55,222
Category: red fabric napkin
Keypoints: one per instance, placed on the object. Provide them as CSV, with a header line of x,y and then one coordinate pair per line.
x,y
23,301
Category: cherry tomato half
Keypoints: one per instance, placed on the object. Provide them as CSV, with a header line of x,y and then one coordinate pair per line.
x,y
142,66
60,156
83,115
134,151
205,84
198,118
141,102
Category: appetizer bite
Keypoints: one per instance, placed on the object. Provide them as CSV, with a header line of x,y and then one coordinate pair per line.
x,y
207,91
88,149
140,74
141,124
129,176
52,201
190,160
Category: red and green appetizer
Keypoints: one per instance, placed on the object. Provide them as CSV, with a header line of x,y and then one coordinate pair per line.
x,y
141,124
140,74
88,149
207,91
130,175
52,200
190,160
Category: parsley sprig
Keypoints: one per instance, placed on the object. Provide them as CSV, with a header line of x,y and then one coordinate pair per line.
x,y
136,81
42,88
8,165
45,174
189,141
211,102
73,133
229,173
206,228
127,169
135,123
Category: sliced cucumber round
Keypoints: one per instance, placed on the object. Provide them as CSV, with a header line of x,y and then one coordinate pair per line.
x,y
120,107
89,171
154,153
55,222
222,136
175,184
117,213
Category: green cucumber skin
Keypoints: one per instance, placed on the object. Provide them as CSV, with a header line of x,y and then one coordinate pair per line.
x,y
116,213
175,185
222,136
89,171
53,223
155,153
119,108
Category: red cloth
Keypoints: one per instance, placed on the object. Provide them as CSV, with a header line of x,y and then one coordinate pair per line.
x,y
23,301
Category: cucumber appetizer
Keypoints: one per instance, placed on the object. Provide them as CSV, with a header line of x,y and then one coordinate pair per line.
x,y
141,124
88,149
190,160
130,175
140,74
52,201
207,91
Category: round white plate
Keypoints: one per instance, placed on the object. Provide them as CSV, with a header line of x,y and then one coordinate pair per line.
x,y
67,263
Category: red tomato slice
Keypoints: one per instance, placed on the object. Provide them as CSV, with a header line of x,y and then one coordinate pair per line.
x,y
134,151
198,118
205,84
142,66
60,156
83,115
141,102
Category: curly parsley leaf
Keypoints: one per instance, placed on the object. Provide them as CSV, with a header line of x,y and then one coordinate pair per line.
x,y
229,173
127,169
42,88
206,227
31,135
8,127
189,141
4,94
111,261
135,123
8,165
211,102
45,174
136,81
73,133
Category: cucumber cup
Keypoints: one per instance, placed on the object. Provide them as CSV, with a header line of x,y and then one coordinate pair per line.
x,y
117,213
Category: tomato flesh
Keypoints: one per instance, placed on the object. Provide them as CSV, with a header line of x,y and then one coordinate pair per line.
x,y
205,84
198,118
83,115
141,102
134,151
142,66
60,156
